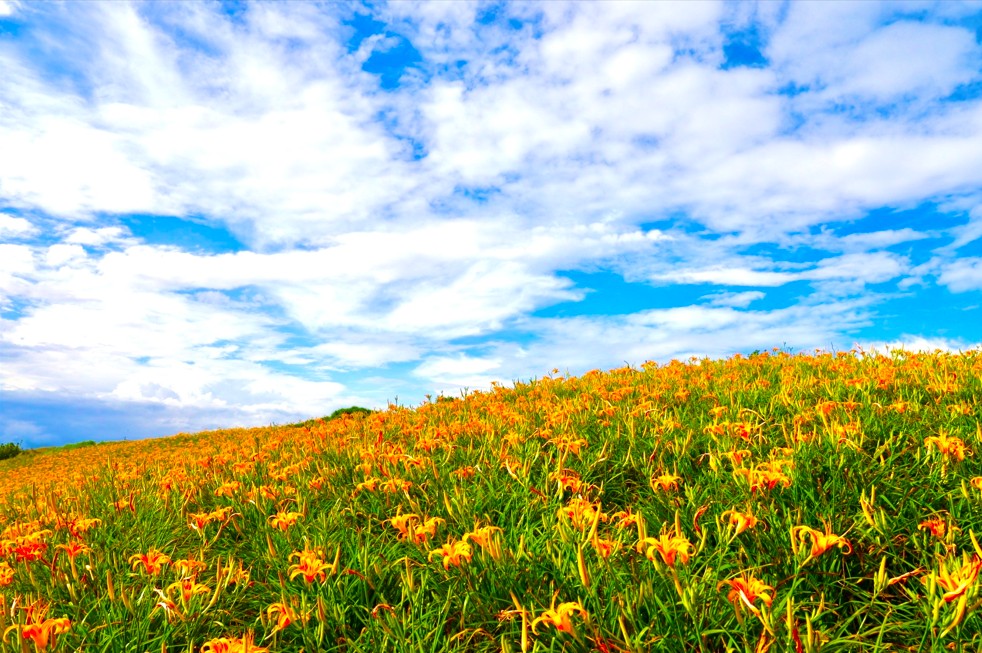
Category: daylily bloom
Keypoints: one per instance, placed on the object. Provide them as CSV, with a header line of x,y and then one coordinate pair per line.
x,y
6,574
937,526
736,456
581,512
955,583
665,482
453,553
284,520
310,565
42,632
569,443
78,527
426,530
747,590
39,629
482,535
606,548
394,485
73,549
947,446
188,566
570,480
152,561
767,475
285,615
167,605
403,524
188,589
560,617
235,574
201,519
242,644
742,521
821,542
671,548
228,489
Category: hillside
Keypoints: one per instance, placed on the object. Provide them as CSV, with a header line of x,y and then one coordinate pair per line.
x,y
824,502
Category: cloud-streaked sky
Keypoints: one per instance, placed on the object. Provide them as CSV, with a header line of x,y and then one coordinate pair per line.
x,y
224,213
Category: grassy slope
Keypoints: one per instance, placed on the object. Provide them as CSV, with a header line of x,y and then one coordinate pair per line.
x,y
581,476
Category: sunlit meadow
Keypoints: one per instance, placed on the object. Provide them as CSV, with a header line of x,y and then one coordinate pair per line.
x,y
772,502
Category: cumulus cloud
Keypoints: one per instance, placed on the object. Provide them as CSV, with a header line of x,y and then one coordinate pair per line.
x,y
418,231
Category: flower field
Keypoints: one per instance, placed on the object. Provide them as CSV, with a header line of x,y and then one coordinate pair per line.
x,y
824,502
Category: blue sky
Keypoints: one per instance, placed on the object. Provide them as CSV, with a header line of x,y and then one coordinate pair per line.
x,y
224,213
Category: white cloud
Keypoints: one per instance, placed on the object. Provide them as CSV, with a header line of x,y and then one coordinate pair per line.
x,y
570,344
447,372
98,237
14,227
8,7
914,343
962,275
726,276
734,300
548,149
969,232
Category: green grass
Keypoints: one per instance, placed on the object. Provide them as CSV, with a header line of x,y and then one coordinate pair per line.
x,y
865,449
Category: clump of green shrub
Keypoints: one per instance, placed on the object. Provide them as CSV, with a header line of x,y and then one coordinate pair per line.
x,y
339,413
351,410
9,450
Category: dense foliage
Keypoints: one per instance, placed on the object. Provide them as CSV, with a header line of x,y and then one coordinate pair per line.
x,y
9,450
800,502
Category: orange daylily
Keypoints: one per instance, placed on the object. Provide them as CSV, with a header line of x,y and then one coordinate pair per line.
x,y
188,589
284,520
74,548
201,519
624,518
482,535
42,632
747,590
153,561
394,485
665,482
310,565
947,446
606,548
453,553
560,617
766,475
6,574
167,605
957,582
581,512
39,629
821,541
671,548
285,615
404,524
188,566
937,526
742,521
242,644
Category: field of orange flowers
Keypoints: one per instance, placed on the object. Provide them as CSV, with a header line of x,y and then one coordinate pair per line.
x,y
781,502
